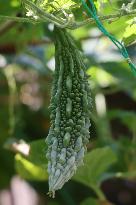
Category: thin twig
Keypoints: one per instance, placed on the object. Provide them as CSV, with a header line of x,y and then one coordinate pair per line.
x,y
19,19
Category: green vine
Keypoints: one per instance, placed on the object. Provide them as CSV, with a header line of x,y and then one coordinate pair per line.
x,y
67,21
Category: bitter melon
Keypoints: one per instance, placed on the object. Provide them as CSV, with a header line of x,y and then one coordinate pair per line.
x,y
70,109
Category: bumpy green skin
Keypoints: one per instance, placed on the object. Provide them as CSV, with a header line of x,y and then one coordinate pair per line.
x,y
70,109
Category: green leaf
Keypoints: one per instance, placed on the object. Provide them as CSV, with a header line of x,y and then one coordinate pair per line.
x,y
28,170
37,154
96,163
34,165
65,4
57,5
100,4
130,33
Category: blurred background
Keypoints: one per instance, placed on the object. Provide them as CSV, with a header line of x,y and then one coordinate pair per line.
x,y
26,67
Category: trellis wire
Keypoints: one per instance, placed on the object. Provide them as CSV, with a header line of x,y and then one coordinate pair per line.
x,y
93,13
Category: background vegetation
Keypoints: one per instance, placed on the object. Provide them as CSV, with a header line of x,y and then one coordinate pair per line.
x,y
26,67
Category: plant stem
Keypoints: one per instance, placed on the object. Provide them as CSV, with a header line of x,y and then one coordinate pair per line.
x,y
71,25
109,18
99,193
9,73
